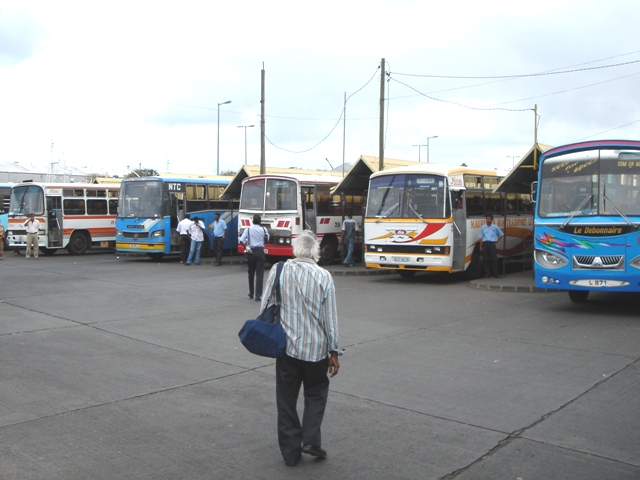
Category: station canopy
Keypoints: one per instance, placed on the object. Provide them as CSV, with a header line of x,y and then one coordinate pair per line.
x,y
520,178
357,180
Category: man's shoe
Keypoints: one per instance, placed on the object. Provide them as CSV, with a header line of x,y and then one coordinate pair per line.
x,y
314,451
250,295
291,462
258,299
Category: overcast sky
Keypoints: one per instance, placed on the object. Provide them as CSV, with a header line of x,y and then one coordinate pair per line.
x,y
138,83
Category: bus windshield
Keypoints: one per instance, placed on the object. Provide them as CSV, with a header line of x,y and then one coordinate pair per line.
x,y
596,182
280,194
26,199
408,196
141,199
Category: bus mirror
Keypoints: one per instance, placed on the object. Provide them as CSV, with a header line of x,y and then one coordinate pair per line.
x,y
534,191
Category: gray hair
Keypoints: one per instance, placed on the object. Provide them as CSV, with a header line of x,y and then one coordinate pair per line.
x,y
306,245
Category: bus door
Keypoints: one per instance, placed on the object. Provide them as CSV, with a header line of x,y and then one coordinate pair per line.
x,y
308,207
54,222
459,226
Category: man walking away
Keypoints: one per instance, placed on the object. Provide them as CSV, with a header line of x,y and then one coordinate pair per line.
x,y
254,238
350,231
185,240
309,317
219,227
33,226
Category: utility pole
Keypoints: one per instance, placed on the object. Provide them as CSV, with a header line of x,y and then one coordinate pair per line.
x,y
263,165
381,145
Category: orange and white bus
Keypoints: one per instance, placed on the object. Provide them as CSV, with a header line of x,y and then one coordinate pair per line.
x,y
71,215
291,203
428,217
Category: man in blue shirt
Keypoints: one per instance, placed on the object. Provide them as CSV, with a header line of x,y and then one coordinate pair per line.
x,y
254,237
489,236
219,227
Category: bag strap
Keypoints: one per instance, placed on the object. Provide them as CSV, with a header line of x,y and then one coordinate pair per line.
x,y
277,281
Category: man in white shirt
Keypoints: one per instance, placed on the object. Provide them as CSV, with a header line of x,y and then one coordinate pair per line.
x,y
185,239
196,231
33,226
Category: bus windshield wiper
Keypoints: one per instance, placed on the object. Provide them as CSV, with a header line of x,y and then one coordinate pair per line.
x,y
387,213
418,214
578,208
626,219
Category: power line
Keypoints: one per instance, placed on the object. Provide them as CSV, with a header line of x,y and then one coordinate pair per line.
x,y
560,72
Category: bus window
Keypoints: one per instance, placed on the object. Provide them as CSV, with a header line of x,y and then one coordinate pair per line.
x,y
113,206
96,207
196,198
324,200
73,192
73,206
493,203
475,206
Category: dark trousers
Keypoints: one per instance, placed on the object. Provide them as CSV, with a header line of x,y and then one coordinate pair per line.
x,y
185,246
490,258
291,373
256,269
218,242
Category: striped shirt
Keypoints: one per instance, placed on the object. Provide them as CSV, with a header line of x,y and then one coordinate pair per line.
x,y
308,310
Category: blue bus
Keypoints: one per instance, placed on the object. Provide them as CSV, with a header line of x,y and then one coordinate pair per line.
x,y
5,195
587,218
150,208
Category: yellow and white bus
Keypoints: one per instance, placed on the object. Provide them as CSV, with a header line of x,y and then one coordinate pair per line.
x,y
427,217
71,215
291,203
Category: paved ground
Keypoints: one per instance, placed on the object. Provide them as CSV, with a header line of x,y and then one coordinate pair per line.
x,y
126,368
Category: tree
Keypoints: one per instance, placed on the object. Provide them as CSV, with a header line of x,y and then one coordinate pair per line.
x,y
142,172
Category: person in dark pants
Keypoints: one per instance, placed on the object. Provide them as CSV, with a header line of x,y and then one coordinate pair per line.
x,y
185,239
308,315
219,228
254,237
489,236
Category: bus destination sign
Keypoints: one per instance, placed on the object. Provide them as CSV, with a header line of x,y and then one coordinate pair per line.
x,y
598,230
175,187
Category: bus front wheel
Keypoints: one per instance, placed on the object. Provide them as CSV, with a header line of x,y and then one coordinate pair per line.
x,y
78,244
578,296
328,250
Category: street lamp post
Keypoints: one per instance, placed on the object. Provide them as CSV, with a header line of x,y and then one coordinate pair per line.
x,y
419,146
218,145
429,138
513,160
245,140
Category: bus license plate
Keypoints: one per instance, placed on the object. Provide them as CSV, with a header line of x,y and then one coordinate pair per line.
x,y
401,259
594,282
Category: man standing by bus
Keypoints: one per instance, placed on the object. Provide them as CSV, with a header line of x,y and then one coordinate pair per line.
x,y
349,235
254,238
489,236
219,227
196,232
33,226
185,239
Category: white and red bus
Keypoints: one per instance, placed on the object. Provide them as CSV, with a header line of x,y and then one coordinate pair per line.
x,y
427,217
291,203
71,215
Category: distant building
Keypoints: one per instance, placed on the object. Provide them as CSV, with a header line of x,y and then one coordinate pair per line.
x,y
17,172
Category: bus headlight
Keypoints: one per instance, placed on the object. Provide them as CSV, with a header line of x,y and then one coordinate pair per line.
x,y
635,262
549,259
118,233
157,233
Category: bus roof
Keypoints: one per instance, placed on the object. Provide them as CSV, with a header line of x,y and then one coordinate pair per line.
x,y
300,177
68,185
591,145
435,169
218,180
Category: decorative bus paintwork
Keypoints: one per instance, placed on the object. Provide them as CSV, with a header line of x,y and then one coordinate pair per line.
x,y
74,216
587,218
151,208
291,203
427,217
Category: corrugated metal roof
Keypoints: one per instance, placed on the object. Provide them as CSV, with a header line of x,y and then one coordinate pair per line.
x,y
357,180
520,178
